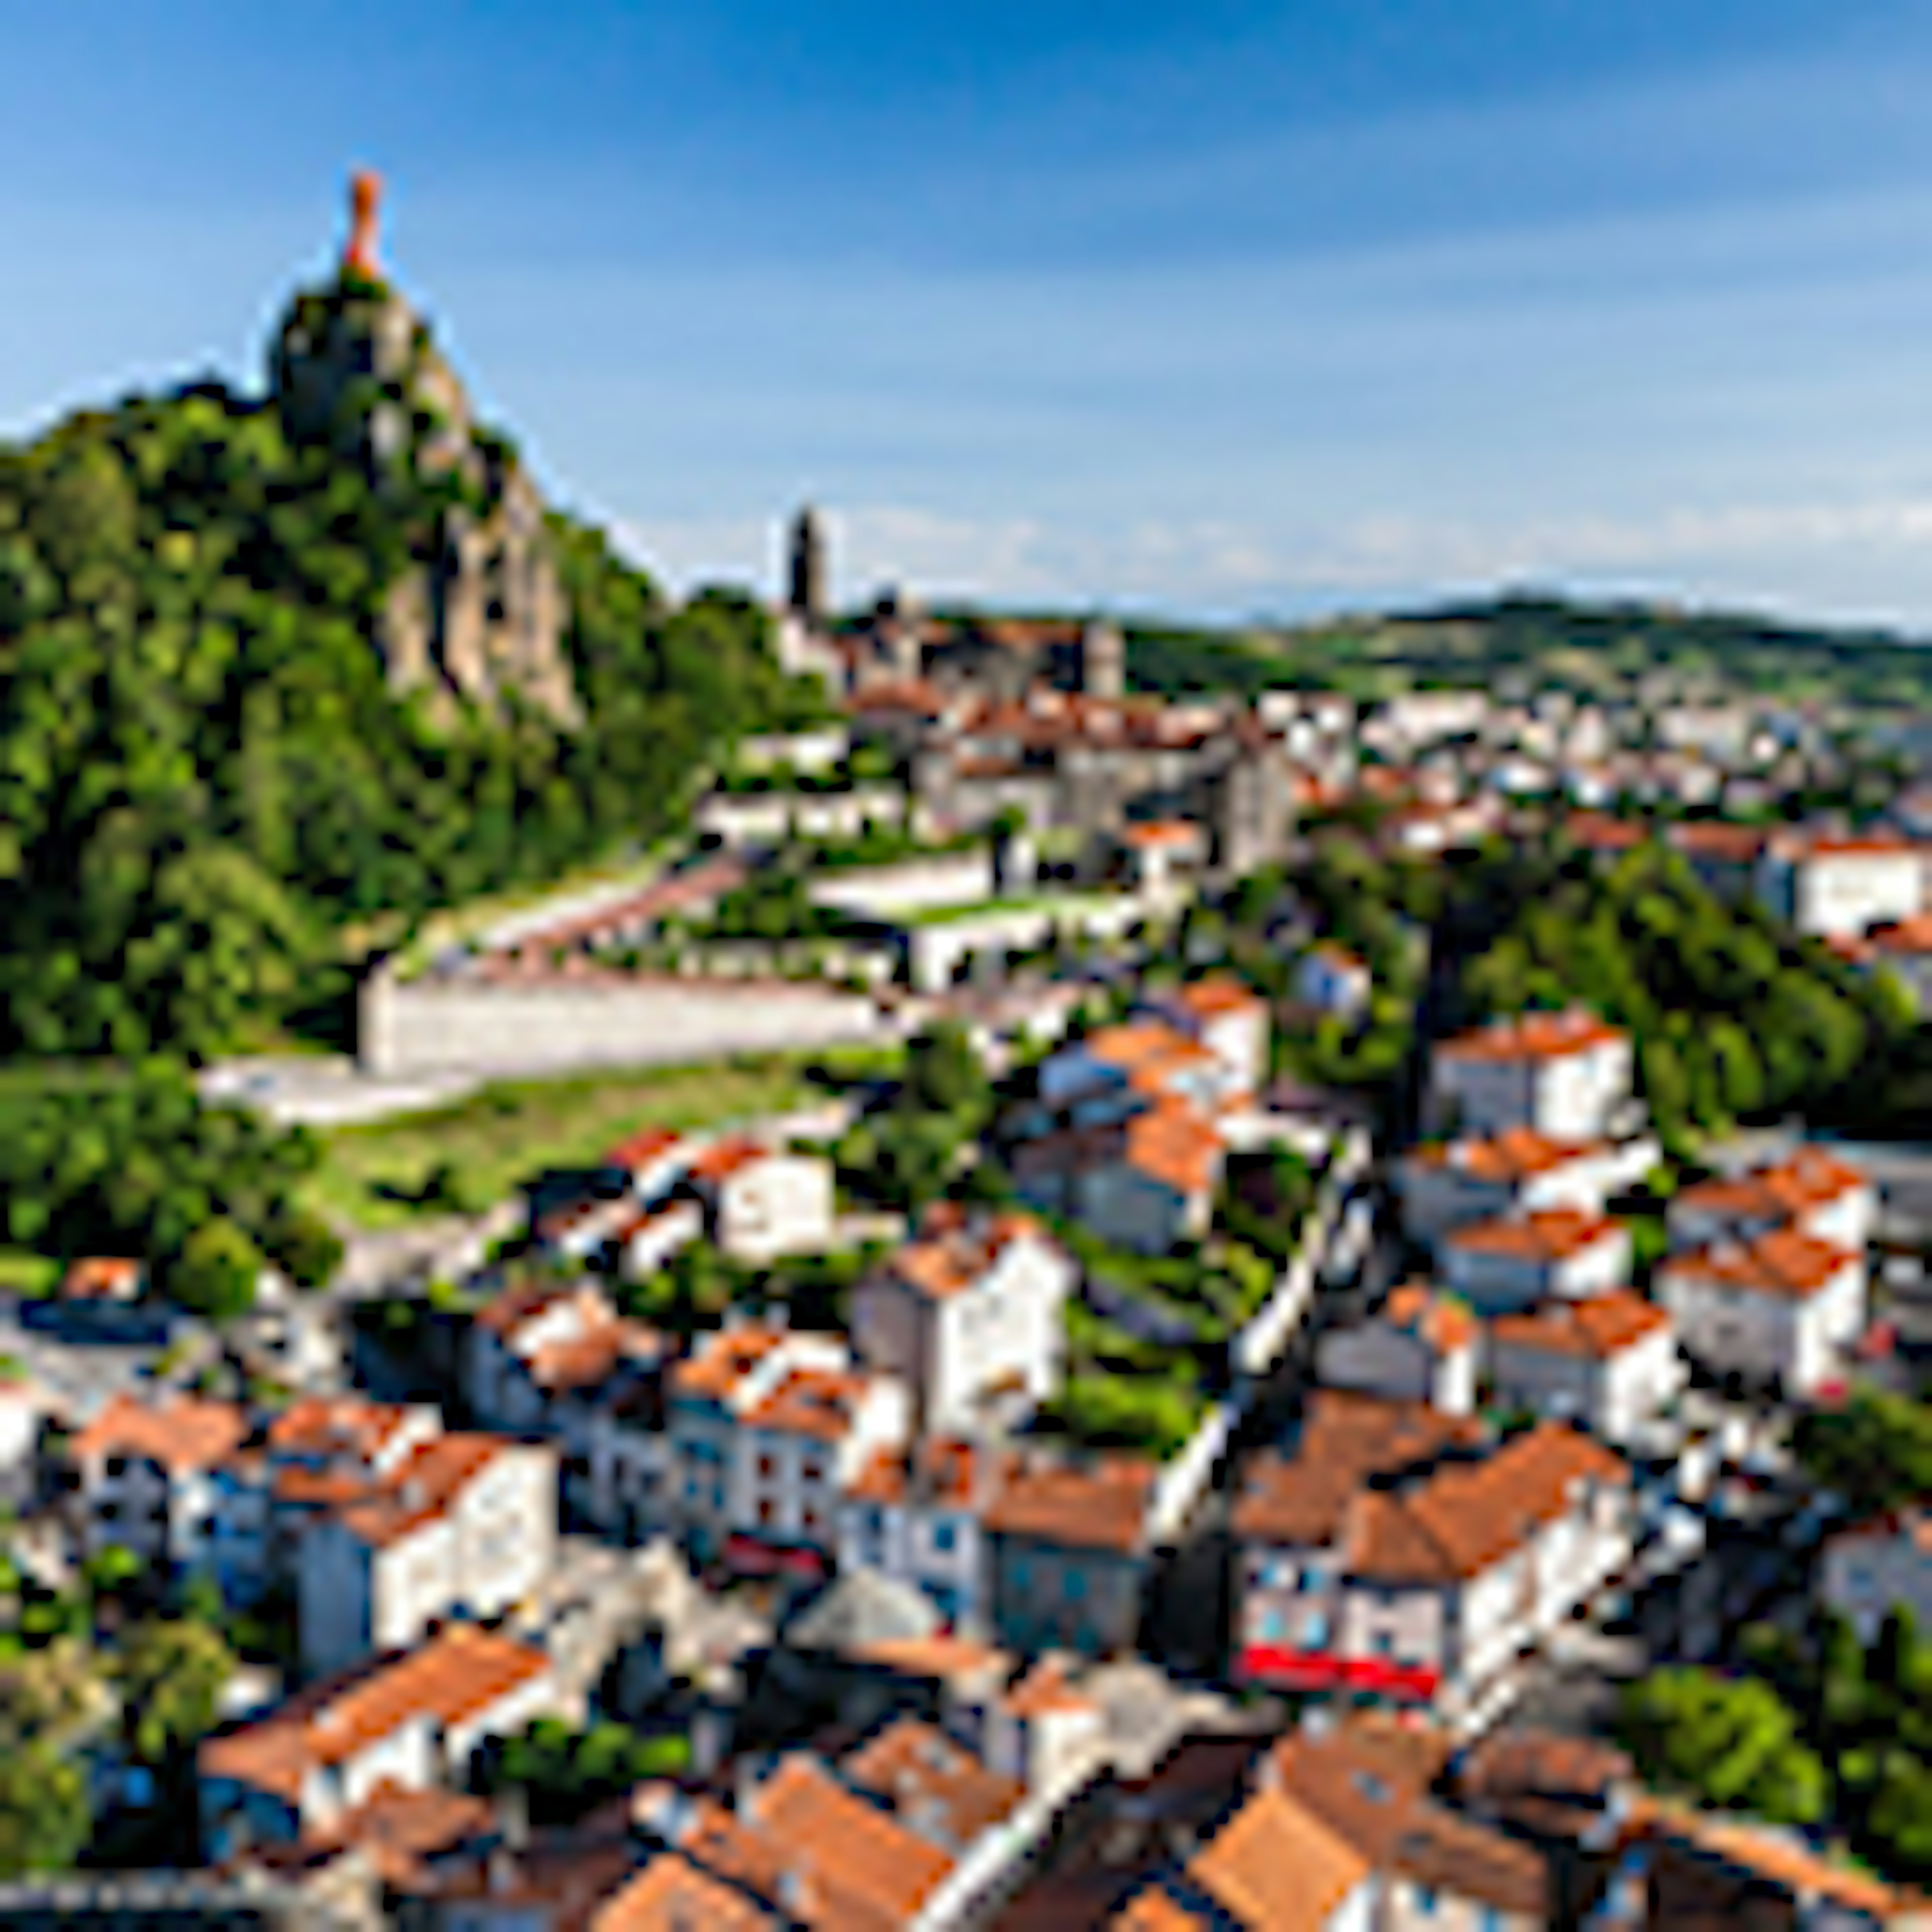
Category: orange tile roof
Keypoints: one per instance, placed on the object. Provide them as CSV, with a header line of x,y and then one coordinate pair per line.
x,y
1103,1505
725,1158
672,1894
1810,1178
1784,1263
452,1679
914,1768
1175,1143
1516,1154
1774,1855
1154,1909
938,1656
421,1489
1218,993
1272,1835
101,1278
852,1856
397,1829
1534,1036
938,1471
951,1255
1438,1319
521,1302
1047,1689
642,1149
721,1359
1597,1327
335,1426
1144,1044
1707,838
1556,1234
1163,831
180,1434
1908,936
818,1402
589,1360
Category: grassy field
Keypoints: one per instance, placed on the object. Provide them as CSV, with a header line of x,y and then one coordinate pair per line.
x,y
506,1132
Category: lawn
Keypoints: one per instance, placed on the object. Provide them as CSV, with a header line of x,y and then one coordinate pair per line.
x,y
506,1132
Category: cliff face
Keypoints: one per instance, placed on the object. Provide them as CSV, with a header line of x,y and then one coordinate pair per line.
x,y
481,613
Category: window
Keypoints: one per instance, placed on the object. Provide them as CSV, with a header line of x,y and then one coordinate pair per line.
x,y
1272,1627
945,1537
1073,1586
114,1466
1315,1631
1425,1902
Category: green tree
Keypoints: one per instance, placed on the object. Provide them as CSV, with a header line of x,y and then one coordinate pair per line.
x,y
172,1673
46,1817
217,1273
1731,1742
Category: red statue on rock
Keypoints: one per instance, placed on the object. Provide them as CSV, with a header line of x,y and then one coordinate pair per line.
x,y
365,194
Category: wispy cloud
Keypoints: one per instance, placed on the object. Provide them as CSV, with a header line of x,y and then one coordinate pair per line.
x,y
1871,558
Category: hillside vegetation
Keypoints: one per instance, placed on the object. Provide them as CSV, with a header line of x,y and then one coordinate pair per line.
x,y
202,776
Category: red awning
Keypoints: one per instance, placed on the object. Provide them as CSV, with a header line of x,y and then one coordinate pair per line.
x,y
1321,1670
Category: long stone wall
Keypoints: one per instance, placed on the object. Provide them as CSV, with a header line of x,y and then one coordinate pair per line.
x,y
470,1024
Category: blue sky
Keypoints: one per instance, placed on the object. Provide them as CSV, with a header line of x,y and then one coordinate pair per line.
x,y
1226,308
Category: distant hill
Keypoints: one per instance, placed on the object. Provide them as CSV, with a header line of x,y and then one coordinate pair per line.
x,y
208,763
1590,647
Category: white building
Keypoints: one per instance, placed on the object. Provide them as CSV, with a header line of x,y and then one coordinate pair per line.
x,y
1609,1363
916,1516
970,1315
1876,1566
413,1722
1420,1347
462,1526
1227,1017
155,1478
1812,1190
1444,1184
1903,951
760,1203
1334,980
1828,885
1395,1551
1567,1076
1497,1266
767,1429
1780,1309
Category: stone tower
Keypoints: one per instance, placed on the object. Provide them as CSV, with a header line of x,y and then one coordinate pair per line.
x,y
808,598
1103,660
483,612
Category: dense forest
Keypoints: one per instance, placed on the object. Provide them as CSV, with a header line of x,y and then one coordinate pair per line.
x,y
203,777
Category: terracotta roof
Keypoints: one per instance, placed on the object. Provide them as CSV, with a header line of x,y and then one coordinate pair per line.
x,y
1155,1909
180,1434
1598,832
1516,1154
504,1313
397,1829
952,1255
331,1425
1175,1143
1534,1036
455,1678
1597,1327
1360,1783
421,1487
1438,1319
938,1471
1810,1178
1907,936
1272,1834
1774,1855
858,1864
1163,831
941,1790
1144,1045
1102,1506
913,694
1783,1263
820,1402
723,1159
1417,1516
672,1894
1219,993
1046,1690
1554,1235
101,1278
1345,1439
721,1359
588,1361
938,1656
643,1149
1707,838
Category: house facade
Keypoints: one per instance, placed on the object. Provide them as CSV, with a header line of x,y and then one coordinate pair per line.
x,y
1567,1076
1498,1266
1609,1363
1779,1310
969,1314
